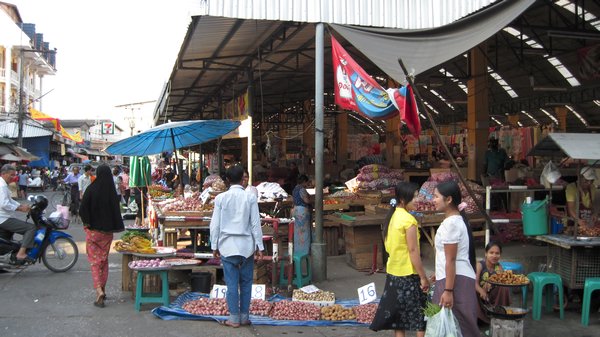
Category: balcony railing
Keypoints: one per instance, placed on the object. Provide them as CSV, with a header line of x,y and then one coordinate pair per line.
x,y
2,72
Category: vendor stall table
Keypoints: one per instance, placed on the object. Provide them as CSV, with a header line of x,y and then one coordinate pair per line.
x,y
363,239
573,258
429,221
522,191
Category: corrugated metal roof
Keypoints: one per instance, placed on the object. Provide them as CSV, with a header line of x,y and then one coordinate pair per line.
x,y
31,129
407,14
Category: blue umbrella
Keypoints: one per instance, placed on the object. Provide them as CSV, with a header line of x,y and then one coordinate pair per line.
x,y
172,136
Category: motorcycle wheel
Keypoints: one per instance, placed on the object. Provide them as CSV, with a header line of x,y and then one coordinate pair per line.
x,y
61,255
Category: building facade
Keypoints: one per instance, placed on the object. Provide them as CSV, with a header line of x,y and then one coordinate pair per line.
x,y
25,59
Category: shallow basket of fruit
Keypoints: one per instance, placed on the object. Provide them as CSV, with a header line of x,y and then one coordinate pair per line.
x,y
508,312
320,298
149,265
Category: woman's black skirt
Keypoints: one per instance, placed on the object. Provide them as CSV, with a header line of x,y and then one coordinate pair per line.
x,y
401,305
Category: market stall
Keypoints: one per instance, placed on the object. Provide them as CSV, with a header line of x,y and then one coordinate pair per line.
x,y
574,256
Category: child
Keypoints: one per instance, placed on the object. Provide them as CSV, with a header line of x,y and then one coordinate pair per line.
x,y
404,295
486,268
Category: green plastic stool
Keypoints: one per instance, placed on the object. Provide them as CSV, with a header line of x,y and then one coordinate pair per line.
x,y
300,279
141,297
591,284
539,281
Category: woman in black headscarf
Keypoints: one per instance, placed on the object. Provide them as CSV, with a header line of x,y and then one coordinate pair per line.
x,y
101,216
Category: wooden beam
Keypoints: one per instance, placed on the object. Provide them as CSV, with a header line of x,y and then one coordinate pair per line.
x,y
477,112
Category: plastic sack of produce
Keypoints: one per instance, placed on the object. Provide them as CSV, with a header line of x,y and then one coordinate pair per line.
x,y
267,190
211,179
369,176
444,176
443,324
374,168
550,174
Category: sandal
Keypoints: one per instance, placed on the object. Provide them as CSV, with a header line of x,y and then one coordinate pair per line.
x,y
229,324
100,301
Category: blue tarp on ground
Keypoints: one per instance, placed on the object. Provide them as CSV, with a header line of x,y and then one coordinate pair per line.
x,y
39,146
176,312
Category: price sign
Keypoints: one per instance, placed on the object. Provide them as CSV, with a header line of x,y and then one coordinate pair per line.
x,y
258,291
218,291
367,293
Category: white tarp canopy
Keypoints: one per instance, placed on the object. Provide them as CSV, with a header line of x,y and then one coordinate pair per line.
x,y
574,145
423,49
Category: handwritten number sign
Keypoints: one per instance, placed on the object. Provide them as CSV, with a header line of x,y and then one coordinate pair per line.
x,y
258,291
367,293
218,291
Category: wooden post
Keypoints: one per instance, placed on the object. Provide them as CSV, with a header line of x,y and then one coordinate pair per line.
x,y
309,142
282,136
244,151
342,138
477,112
561,113
513,120
393,145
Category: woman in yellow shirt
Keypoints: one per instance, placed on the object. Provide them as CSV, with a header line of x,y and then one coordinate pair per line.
x,y
405,293
585,215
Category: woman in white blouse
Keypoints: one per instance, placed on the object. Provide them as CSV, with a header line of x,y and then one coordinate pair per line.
x,y
455,260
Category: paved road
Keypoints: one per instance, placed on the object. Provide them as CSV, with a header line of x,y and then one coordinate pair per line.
x,y
38,302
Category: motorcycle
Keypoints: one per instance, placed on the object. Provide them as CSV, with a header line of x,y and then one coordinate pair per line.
x,y
54,248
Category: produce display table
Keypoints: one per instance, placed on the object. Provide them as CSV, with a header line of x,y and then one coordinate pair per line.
x,y
572,258
363,239
429,221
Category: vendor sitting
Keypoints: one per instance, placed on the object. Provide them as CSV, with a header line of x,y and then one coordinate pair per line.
x,y
487,292
586,215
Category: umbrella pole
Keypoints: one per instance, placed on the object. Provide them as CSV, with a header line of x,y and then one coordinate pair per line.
x,y
144,177
176,159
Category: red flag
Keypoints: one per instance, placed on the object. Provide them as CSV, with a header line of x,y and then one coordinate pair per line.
x,y
409,114
357,91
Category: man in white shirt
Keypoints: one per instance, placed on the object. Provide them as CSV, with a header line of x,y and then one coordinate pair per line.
x,y
85,180
235,235
7,207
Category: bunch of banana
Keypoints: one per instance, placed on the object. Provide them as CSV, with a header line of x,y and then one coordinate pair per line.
x,y
122,246
142,245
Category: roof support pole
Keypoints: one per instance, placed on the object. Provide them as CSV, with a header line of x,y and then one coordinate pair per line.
x,y
250,107
318,249
561,113
477,112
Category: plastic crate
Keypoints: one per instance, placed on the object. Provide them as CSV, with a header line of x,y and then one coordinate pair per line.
x,y
575,265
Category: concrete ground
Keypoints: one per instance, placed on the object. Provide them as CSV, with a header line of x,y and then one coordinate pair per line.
x,y
38,302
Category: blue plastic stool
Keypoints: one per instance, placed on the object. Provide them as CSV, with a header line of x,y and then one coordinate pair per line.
x,y
162,297
300,279
539,281
591,284
516,268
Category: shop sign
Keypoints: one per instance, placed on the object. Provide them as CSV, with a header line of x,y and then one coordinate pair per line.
x,y
108,128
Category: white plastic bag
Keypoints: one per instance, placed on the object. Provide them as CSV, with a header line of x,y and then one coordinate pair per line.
x,y
443,324
550,174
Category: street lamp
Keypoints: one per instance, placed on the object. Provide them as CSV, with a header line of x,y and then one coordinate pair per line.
x,y
21,113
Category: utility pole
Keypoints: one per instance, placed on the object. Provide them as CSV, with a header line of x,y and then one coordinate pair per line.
x,y
21,112
132,106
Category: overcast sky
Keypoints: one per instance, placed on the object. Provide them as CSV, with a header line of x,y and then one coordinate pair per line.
x,y
109,52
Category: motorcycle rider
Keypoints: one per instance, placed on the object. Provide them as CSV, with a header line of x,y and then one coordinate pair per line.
x,y
7,208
